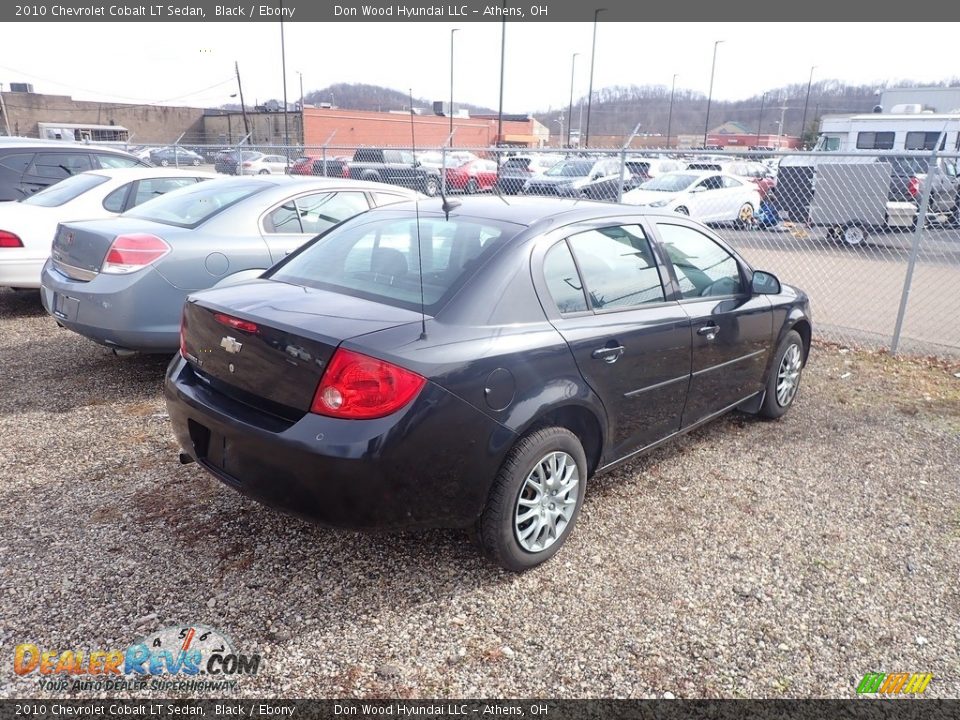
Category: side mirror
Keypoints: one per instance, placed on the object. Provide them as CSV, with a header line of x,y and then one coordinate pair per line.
x,y
764,283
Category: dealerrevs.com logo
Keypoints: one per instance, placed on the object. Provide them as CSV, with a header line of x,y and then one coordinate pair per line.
x,y
192,657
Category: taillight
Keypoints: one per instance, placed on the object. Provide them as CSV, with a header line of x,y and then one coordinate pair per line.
x,y
346,171
358,387
913,187
9,239
130,253
246,164
235,323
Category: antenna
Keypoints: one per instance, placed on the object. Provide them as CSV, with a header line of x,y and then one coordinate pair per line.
x,y
416,206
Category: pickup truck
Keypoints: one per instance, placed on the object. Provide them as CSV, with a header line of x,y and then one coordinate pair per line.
x,y
396,167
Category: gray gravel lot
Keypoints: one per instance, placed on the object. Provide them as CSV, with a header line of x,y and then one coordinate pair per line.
x,y
749,559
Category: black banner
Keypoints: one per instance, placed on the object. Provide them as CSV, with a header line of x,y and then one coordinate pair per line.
x,y
866,709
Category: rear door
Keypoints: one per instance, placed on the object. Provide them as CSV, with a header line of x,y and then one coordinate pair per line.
x,y
291,223
48,168
732,330
603,290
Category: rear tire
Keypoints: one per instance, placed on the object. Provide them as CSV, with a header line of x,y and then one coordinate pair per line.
x,y
431,186
164,163
745,217
535,499
682,211
784,380
853,234
263,172
472,186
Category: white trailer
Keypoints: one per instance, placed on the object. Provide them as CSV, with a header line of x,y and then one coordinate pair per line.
x,y
907,128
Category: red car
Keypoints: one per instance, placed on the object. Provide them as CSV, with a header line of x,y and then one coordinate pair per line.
x,y
335,166
755,172
472,177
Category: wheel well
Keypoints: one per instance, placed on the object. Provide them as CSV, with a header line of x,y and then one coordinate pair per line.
x,y
582,423
803,328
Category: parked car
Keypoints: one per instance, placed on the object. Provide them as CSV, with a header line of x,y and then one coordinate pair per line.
x,y
705,195
27,166
568,177
472,177
350,388
517,169
331,166
757,173
396,167
636,172
230,162
27,227
174,155
264,165
121,282
452,158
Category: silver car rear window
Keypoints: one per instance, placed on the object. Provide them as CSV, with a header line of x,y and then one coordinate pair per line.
x,y
194,205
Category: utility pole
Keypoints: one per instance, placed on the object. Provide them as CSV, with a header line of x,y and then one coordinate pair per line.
x,y
673,87
503,55
573,69
283,61
713,67
593,53
760,119
243,107
803,123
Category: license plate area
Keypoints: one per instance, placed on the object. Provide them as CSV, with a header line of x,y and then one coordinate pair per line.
x,y
212,451
65,307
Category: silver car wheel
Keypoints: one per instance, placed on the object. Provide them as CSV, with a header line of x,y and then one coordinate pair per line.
x,y
788,376
546,502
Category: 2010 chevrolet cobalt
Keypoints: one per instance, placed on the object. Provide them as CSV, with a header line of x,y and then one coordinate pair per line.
x,y
474,366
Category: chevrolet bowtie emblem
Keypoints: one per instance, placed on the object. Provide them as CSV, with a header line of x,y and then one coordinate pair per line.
x,y
231,345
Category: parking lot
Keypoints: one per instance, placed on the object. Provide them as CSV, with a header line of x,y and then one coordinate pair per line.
x,y
750,558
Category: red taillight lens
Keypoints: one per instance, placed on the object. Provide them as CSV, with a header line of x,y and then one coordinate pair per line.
x,y
235,323
130,253
8,239
359,387
913,187
248,164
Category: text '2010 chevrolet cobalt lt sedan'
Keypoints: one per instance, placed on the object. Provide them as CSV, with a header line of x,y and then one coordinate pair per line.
x,y
473,366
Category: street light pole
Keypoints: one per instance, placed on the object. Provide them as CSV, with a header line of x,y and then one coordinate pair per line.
x,y
452,31
593,53
283,60
573,68
673,87
713,67
503,55
803,123
760,119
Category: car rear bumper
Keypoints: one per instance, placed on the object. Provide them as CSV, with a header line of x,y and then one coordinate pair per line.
x,y
139,311
19,272
428,465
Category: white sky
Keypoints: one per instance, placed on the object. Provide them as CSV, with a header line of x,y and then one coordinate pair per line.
x,y
192,63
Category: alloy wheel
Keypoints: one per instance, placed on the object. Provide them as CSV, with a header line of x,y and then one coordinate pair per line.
x,y
546,502
788,375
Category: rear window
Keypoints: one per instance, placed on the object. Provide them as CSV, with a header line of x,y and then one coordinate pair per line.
x,y
65,190
381,260
190,207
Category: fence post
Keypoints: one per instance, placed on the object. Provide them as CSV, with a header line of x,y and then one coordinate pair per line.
x,y
623,170
915,248
324,153
443,170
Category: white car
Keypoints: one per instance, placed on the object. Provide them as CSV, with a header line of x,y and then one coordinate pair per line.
x,y
704,195
265,165
27,226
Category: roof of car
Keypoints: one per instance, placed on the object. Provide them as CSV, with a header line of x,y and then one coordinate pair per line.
x,y
132,173
309,181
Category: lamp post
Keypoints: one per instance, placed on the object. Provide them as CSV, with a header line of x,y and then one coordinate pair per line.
x,y
283,59
760,119
503,55
560,120
713,67
673,87
803,122
452,31
593,53
573,68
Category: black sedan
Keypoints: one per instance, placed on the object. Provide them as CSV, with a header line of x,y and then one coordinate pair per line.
x,y
174,156
473,366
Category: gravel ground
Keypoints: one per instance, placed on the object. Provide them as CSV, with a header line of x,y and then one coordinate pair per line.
x,y
749,559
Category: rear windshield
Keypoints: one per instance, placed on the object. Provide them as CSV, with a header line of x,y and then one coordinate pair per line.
x,y
571,168
191,206
65,190
380,260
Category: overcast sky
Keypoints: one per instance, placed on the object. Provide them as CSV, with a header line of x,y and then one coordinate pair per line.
x,y
192,63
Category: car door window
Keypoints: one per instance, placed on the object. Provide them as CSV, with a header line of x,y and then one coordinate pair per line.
x,y
729,182
617,267
115,161
381,198
116,201
704,269
17,162
60,165
711,183
563,281
285,219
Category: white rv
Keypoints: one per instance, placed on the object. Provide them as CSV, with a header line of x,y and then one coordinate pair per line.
x,y
907,127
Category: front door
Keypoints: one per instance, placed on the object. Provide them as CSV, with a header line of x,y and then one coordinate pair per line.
x,y
732,329
630,344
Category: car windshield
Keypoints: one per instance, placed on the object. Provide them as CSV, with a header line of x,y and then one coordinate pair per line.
x,y
65,190
670,183
193,205
381,259
571,168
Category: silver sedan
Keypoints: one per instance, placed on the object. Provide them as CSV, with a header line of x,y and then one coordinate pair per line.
x,y
122,282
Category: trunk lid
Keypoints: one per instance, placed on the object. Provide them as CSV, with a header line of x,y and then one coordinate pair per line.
x,y
276,365
79,248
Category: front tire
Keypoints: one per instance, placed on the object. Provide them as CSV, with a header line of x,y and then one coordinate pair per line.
x,y
431,187
164,163
853,235
745,217
264,172
535,500
472,186
784,380
682,210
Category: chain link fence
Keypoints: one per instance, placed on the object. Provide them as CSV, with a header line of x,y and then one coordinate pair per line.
x,y
872,236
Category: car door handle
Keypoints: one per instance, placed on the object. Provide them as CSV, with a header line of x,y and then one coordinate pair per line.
x,y
709,331
608,354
